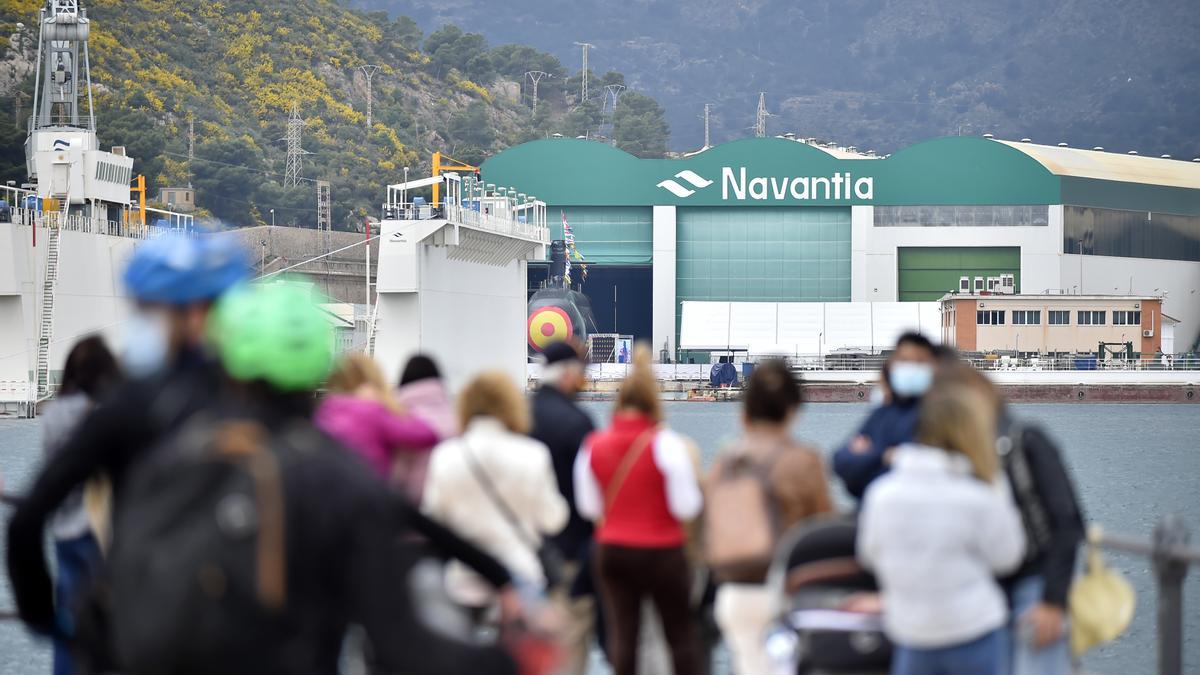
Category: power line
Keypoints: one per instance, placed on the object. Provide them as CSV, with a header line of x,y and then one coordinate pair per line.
x,y
536,76
369,72
295,153
707,114
235,166
585,46
760,118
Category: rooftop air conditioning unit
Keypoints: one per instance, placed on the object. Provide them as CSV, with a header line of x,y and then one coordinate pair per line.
x,y
993,284
118,150
1148,333
1008,283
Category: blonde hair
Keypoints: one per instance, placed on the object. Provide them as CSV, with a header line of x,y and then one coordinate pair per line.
x,y
358,371
956,372
960,418
493,394
639,390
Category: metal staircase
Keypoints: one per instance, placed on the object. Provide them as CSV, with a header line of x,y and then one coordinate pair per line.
x,y
46,329
373,327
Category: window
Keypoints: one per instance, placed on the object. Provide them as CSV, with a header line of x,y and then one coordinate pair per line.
x,y
1091,318
1059,317
990,317
1131,234
1127,318
1027,317
961,216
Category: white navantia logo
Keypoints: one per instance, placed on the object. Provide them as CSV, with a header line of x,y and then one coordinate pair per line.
x,y
738,186
697,181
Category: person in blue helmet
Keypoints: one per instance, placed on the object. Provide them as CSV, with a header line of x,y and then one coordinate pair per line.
x,y
173,281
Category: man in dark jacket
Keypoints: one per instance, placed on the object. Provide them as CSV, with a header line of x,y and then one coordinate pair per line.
x,y
562,425
907,376
1050,511
174,281
1051,515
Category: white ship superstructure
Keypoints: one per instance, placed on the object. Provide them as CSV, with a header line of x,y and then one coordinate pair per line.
x,y
73,224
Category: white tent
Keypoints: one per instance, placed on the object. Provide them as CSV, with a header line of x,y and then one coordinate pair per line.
x,y
805,328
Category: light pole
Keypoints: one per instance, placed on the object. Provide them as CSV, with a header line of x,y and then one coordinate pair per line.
x,y
262,265
404,194
272,217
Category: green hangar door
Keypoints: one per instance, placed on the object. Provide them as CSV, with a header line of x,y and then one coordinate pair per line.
x,y
926,273
763,253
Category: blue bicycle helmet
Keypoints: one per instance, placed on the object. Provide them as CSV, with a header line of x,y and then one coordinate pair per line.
x,y
178,270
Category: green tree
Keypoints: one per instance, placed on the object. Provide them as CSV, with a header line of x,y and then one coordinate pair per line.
x,y
403,32
471,128
639,126
513,61
449,47
584,120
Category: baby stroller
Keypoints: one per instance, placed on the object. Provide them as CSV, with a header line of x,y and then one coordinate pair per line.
x,y
815,572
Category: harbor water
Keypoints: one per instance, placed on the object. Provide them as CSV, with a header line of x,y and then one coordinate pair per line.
x,y
1131,464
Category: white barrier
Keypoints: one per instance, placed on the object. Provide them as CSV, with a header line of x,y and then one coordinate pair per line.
x,y
609,372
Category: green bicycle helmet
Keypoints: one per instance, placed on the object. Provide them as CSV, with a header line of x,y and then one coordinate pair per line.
x,y
273,332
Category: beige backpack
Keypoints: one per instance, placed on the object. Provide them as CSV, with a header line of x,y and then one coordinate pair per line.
x,y
741,518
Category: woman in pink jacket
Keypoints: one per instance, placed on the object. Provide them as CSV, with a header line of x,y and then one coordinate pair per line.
x,y
423,394
361,413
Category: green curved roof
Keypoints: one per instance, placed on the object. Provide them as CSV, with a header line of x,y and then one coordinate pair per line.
x,y
956,170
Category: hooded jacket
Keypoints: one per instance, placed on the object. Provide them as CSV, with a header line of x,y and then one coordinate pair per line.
x,y
372,431
427,400
936,537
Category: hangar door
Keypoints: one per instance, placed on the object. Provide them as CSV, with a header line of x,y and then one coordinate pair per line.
x,y
926,273
763,253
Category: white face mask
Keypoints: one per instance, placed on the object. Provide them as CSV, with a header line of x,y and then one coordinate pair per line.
x,y
910,379
146,345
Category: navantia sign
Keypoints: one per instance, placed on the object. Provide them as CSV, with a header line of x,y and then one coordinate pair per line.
x,y
775,172
737,184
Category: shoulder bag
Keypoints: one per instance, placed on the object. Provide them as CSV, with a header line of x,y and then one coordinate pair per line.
x,y
549,557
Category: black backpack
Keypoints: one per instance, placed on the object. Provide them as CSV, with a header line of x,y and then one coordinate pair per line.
x,y
198,569
1035,517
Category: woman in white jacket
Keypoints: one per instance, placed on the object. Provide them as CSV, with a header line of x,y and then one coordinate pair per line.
x,y
495,487
937,530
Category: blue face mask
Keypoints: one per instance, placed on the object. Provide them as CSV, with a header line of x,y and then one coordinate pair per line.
x,y
146,345
909,379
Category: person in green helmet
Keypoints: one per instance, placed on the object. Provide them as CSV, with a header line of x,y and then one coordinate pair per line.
x,y
280,603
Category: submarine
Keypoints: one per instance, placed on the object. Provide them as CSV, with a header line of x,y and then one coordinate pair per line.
x,y
559,310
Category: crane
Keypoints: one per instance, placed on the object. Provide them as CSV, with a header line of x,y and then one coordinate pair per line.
x,y
445,163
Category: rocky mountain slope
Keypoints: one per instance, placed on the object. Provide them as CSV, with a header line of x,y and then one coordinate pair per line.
x,y
1124,74
232,71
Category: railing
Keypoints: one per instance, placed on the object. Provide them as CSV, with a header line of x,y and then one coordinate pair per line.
x,y
18,394
1078,363
870,364
77,223
500,225
1168,550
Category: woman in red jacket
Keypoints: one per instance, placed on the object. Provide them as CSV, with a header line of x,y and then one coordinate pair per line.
x,y
638,481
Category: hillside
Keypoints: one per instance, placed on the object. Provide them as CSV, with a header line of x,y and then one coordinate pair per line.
x,y
235,68
882,75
